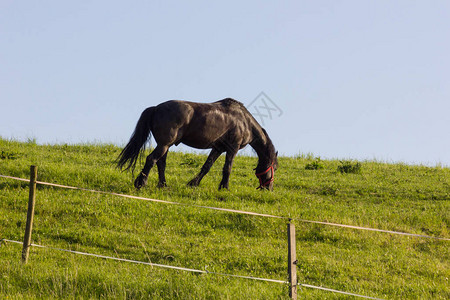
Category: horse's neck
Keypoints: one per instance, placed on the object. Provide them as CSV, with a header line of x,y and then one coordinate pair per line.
x,y
261,144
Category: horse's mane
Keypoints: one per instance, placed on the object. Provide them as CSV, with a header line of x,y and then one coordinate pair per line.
x,y
270,150
229,102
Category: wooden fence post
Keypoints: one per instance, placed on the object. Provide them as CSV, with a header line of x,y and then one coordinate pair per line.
x,y
292,261
30,215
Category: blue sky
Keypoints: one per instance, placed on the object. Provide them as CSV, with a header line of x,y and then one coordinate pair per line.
x,y
352,79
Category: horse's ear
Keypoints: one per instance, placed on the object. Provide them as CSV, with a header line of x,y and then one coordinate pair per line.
x,y
276,154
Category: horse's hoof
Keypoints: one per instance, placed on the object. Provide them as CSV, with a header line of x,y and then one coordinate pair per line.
x,y
223,186
140,181
193,183
162,185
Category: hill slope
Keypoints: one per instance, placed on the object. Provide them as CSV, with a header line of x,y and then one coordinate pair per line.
x,y
398,197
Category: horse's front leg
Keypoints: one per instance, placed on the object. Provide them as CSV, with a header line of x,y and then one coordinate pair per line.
x,y
227,169
151,160
212,157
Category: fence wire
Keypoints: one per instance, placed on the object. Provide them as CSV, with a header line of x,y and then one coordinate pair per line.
x,y
231,210
191,270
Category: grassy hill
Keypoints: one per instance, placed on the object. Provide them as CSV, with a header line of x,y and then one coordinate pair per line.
x,y
414,199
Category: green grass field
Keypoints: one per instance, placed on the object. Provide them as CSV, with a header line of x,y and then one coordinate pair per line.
x,y
399,197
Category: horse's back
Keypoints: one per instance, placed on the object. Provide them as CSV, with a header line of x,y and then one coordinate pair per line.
x,y
173,112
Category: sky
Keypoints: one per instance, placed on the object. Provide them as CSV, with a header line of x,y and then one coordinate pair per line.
x,y
365,80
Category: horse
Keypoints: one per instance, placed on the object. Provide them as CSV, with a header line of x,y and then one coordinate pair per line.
x,y
222,126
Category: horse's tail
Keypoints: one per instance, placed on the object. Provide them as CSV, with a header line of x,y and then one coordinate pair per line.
x,y
142,133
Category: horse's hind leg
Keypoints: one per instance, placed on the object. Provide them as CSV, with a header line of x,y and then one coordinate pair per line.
x,y
212,157
161,164
151,160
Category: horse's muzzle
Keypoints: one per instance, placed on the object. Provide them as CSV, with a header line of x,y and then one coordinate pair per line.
x,y
266,182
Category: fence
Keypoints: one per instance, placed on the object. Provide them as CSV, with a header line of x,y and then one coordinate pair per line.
x,y
292,261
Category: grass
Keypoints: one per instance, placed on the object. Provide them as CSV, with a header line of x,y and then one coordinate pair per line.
x,y
396,197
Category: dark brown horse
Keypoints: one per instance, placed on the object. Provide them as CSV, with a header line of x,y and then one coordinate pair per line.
x,y
223,126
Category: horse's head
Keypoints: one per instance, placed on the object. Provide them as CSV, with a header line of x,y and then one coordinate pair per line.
x,y
266,174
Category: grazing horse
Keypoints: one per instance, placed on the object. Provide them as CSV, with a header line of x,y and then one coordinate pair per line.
x,y
223,126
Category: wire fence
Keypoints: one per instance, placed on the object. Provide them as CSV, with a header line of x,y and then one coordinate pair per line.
x,y
194,270
231,210
218,209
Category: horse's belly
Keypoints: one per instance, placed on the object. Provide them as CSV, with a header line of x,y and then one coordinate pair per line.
x,y
202,140
195,144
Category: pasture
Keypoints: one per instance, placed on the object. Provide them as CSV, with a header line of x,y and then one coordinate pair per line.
x,y
399,197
